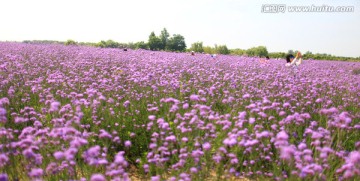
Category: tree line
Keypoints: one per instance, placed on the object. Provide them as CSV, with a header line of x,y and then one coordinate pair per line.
x,y
176,43
164,42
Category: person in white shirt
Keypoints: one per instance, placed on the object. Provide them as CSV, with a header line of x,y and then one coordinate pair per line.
x,y
293,61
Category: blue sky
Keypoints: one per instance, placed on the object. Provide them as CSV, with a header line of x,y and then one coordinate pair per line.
x,y
236,23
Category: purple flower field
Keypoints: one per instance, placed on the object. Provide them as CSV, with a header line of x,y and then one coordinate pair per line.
x,y
84,113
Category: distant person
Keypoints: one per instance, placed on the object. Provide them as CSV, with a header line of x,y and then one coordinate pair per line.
x,y
125,49
192,53
293,61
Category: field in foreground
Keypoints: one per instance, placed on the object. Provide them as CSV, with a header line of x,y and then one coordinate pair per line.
x,y
81,113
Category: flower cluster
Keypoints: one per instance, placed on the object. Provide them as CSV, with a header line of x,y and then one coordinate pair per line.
x,y
66,113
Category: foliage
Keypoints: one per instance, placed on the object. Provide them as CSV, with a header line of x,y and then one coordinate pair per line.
x,y
130,45
324,56
109,44
237,51
154,42
43,42
176,43
141,45
277,55
209,50
164,36
197,47
222,49
259,51
70,42
87,44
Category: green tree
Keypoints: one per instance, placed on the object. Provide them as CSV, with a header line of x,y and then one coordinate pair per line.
x,y
260,51
130,45
141,45
197,47
111,44
101,44
222,49
87,44
70,42
277,54
209,50
108,44
237,51
154,42
164,36
307,55
176,43
251,52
